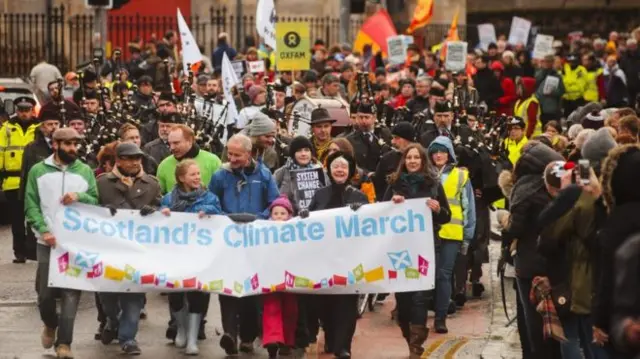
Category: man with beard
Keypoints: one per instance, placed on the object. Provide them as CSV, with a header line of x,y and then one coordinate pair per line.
x,y
158,149
321,123
420,100
15,135
166,105
182,144
127,186
244,185
143,96
368,145
443,118
58,180
262,132
403,134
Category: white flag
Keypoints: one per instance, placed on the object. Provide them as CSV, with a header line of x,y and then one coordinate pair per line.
x,y
190,51
229,79
266,22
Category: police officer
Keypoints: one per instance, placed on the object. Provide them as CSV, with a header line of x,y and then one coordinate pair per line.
x,y
15,134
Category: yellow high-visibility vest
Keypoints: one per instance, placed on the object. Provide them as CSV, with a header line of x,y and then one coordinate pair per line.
x,y
591,92
453,187
520,110
13,140
515,149
575,82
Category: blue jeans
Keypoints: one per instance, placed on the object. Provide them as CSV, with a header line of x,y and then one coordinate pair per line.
x,y
445,262
579,332
412,307
128,306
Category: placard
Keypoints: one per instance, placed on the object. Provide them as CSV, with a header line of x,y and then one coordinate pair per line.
x,y
487,35
397,50
519,31
456,56
543,46
551,83
293,49
306,182
321,254
238,68
256,66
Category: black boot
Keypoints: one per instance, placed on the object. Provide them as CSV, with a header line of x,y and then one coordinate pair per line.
x,y
343,354
478,289
229,344
440,326
460,300
419,334
201,333
272,349
452,308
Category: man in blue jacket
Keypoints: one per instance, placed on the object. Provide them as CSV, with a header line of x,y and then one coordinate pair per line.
x,y
222,48
243,185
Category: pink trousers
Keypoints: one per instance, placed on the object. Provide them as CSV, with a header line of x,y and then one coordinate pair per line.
x,y
279,319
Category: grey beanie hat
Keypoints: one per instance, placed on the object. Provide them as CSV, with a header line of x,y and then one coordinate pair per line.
x,y
597,146
260,125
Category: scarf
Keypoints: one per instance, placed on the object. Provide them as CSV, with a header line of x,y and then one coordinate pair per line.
x,y
414,180
127,180
181,200
320,149
193,152
540,297
292,165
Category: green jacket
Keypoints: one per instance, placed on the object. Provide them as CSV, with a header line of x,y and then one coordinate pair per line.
x,y
47,182
166,174
568,237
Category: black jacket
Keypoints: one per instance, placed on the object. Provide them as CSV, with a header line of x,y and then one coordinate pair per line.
x,y
488,87
35,152
418,104
388,164
157,149
321,199
368,154
142,102
626,294
463,131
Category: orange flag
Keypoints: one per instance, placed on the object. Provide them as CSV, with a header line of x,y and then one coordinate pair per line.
x,y
375,31
421,15
452,35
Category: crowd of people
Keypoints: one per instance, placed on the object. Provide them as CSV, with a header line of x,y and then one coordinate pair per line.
x,y
552,145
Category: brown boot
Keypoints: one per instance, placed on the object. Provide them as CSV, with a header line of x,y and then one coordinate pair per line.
x,y
419,334
406,332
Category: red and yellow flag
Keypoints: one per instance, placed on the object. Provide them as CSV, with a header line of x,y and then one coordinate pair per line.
x,y
375,31
421,15
452,35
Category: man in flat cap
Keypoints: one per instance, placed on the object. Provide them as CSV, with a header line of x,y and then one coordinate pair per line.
x,y
15,134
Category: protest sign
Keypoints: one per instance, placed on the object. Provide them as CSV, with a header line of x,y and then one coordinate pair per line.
x,y
397,50
305,183
487,35
256,66
543,46
238,68
293,46
519,31
321,254
456,56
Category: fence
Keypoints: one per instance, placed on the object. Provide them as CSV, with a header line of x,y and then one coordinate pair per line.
x,y
68,41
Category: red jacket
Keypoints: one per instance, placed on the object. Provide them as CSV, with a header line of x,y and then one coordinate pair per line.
x,y
529,84
509,97
399,101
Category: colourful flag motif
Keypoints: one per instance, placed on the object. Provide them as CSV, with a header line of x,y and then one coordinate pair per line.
x,y
393,274
176,284
374,275
266,290
148,279
169,284
301,282
129,272
400,260
63,262
114,274
289,279
280,287
73,271
237,287
351,278
247,285
411,273
227,291
136,277
96,271
358,272
190,282
161,278
255,283
339,280
216,285
423,265
205,287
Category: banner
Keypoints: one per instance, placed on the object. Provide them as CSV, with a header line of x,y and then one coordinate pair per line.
x,y
266,22
397,50
256,66
543,46
456,56
293,46
229,79
306,182
190,52
380,248
519,32
487,35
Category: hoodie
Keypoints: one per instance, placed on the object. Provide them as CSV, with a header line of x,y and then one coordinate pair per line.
x,y
466,196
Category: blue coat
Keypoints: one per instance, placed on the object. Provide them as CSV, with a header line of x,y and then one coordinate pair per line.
x,y
207,203
242,193
218,54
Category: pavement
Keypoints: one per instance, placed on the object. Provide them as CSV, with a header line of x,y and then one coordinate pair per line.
x,y
476,331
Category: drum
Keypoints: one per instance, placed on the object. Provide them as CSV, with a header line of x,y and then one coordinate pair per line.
x,y
337,109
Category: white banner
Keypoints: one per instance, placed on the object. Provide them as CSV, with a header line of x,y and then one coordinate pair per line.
x,y
229,79
543,46
456,56
266,22
487,35
397,50
519,31
379,248
190,51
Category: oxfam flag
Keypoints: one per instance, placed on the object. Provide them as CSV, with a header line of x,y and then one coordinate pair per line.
x,y
293,46
380,248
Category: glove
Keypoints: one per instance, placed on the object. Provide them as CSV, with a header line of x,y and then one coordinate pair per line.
x,y
147,210
242,217
112,210
464,248
303,213
355,206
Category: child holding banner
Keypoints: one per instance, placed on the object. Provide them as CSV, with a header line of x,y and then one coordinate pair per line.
x,y
280,310
189,196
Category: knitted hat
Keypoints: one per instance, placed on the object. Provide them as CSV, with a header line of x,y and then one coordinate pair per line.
x,y
283,202
593,120
597,147
404,130
437,147
299,143
261,125
254,91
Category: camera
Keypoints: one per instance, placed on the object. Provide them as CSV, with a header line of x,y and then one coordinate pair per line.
x,y
584,168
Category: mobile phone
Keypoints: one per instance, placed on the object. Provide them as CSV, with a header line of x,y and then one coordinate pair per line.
x,y
585,171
